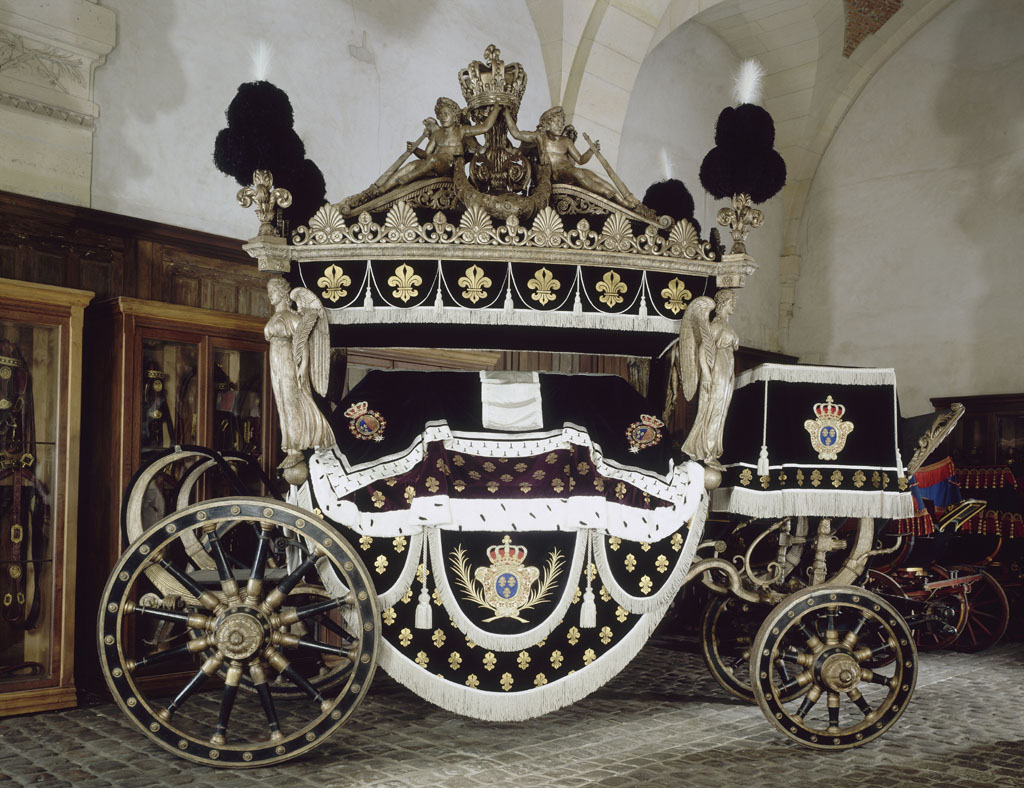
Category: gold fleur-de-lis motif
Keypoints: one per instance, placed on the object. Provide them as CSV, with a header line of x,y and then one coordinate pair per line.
x,y
406,597
422,659
472,680
645,546
378,499
746,476
800,477
438,637
381,564
333,280
389,616
431,484
573,636
556,659
858,479
676,295
815,478
606,635
837,478
399,543
405,637
365,542
661,564
545,284
540,680
614,543
630,562
405,281
490,660
621,614
523,660
876,479
474,281
677,542
605,594
589,656
646,585
611,285
454,660
507,681
410,493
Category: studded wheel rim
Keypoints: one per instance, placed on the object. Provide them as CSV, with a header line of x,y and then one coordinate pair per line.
x,y
831,635
237,623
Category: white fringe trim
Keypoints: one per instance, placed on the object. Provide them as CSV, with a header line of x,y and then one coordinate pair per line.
x,y
798,373
458,315
491,640
812,503
518,706
661,599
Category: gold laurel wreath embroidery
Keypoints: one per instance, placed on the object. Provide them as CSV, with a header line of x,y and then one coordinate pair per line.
x,y
465,581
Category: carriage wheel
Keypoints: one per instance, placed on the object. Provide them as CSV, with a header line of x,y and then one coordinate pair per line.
x,y
831,634
727,629
238,623
988,615
933,637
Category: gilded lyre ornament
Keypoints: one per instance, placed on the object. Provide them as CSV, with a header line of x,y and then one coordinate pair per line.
x,y
611,285
827,430
739,219
405,280
545,284
676,295
475,283
333,280
266,198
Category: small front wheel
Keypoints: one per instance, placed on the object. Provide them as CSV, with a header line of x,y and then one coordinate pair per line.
x,y
832,636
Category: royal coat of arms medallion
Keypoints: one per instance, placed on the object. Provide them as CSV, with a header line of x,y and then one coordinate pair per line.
x,y
828,431
644,433
365,424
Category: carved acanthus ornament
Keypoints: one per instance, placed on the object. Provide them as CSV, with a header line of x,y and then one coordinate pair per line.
x,y
266,198
739,219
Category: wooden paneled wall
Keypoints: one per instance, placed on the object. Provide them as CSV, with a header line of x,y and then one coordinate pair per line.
x,y
113,255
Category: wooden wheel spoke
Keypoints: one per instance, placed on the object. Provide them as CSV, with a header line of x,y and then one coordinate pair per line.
x,y
205,598
282,666
259,682
227,702
259,564
859,701
276,597
208,669
191,620
162,656
808,702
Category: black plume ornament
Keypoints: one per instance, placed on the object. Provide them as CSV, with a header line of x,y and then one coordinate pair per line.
x,y
670,197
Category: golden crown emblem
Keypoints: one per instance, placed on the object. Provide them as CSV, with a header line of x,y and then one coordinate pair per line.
x,y
506,554
493,82
829,409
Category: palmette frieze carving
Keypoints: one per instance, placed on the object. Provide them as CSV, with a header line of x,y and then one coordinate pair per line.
x,y
476,227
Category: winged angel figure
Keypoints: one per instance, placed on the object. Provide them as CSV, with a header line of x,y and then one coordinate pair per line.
x,y
706,350
299,363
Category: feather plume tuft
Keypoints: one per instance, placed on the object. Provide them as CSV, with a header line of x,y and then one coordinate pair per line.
x,y
261,53
747,82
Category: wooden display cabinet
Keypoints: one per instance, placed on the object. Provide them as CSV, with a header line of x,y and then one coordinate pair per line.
x,y
160,375
991,431
40,409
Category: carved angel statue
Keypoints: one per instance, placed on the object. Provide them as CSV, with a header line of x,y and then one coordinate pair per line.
x,y
299,363
706,350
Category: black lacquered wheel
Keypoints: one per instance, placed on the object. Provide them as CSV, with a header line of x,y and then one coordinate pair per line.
x,y
244,623
831,635
727,629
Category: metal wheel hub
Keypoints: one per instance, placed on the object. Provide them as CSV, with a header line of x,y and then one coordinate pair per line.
x,y
240,633
838,671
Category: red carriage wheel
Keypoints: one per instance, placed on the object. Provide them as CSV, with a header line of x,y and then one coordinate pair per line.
x,y
988,614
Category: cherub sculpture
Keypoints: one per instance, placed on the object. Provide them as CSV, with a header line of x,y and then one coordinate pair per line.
x,y
299,364
446,140
706,350
555,145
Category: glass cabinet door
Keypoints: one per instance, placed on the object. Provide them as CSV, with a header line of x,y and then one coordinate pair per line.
x,y
238,401
29,387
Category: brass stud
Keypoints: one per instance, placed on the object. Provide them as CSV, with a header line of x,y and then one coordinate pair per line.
x,y
361,595
123,577
132,703
112,607
300,523
237,510
154,726
268,512
356,687
200,515
311,736
109,640
214,754
369,628
182,744
349,566
171,528
365,658
144,550
246,756
328,542
279,749
117,673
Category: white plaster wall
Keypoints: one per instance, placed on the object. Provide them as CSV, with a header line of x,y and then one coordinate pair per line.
x,y
683,84
912,235
361,76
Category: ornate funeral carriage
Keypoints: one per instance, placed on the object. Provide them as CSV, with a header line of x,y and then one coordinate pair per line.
x,y
503,543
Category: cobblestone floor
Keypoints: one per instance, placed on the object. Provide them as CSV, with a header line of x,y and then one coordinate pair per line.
x,y
662,722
